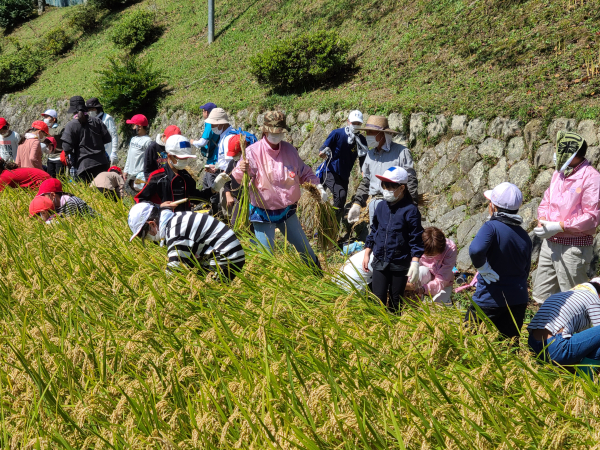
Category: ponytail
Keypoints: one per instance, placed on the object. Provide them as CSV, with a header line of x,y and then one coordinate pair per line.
x,y
7,165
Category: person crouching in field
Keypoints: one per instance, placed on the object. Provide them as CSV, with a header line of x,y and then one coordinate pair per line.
x,y
501,253
110,183
565,329
196,240
13,176
65,204
395,239
42,208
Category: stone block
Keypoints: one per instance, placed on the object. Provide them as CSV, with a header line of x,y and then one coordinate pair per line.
x,y
588,130
558,125
476,130
437,126
440,150
529,214
504,128
313,115
467,159
303,117
519,174
541,183
498,174
462,192
290,120
447,176
325,117
515,150
426,162
532,133
477,202
468,229
492,147
396,121
593,269
417,126
463,261
454,146
437,169
544,156
437,208
459,124
593,155
452,218
477,176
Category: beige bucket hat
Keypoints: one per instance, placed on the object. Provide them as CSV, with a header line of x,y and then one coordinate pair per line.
x,y
377,123
218,116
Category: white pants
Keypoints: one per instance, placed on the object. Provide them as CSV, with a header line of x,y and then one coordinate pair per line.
x,y
353,273
425,276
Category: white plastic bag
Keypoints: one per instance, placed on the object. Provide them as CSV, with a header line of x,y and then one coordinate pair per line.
x,y
353,275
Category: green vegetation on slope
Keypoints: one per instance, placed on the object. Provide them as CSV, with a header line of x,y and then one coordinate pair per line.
x,y
101,349
522,58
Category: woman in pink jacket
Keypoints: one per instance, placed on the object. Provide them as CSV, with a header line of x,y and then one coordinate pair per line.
x,y
567,219
435,273
29,153
276,174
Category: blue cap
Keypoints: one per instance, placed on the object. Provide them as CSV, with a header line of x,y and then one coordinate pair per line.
x,y
208,107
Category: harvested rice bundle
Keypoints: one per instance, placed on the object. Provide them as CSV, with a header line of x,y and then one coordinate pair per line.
x,y
318,216
242,221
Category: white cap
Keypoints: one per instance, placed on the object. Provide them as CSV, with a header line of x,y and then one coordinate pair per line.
x,y
51,113
394,175
595,280
355,116
506,196
179,146
138,216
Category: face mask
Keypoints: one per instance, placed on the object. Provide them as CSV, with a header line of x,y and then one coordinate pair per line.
x,y
275,138
350,128
389,196
372,141
217,131
48,121
93,114
136,130
180,164
153,237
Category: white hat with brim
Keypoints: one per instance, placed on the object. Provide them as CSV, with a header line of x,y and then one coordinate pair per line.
x,y
138,216
506,196
180,146
218,116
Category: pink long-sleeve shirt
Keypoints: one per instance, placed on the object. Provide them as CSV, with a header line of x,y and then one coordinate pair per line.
x,y
276,175
29,154
440,267
573,201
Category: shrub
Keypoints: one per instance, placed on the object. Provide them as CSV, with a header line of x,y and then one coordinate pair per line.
x,y
56,41
18,69
129,86
307,59
133,29
13,12
84,17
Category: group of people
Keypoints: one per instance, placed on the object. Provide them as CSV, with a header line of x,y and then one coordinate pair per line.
x,y
400,259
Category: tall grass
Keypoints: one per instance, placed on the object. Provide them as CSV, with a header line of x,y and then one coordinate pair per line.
x,y
100,349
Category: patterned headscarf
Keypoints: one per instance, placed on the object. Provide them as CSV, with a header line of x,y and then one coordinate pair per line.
x,y
567,146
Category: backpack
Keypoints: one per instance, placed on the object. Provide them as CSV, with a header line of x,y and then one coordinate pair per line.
x,y
249,136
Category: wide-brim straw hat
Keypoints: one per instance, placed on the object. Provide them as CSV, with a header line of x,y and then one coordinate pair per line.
x,y
217,116
377,123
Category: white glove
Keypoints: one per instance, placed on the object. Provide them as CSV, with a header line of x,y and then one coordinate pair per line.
x,y
114,159
413,273
354,213
326,151
488,274
220,181
324,194
548,229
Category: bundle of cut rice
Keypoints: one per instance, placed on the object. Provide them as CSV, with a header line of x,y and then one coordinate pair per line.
x,y
318,216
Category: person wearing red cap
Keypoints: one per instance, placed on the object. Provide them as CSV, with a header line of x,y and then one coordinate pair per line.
x,y
29,153
13,176
156,157
65,204
137,149
55,167
42,208
110,183
9,141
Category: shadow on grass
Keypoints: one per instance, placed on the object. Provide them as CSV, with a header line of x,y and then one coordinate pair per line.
x,y
234,20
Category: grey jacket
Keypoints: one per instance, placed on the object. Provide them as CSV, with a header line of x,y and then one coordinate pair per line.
x,y
376,163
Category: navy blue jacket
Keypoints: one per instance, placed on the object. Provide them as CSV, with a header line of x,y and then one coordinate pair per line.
x,y
507,248
343,154
396,233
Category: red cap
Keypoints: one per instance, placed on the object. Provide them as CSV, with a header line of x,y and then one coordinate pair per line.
x,y
50,185
52,140
40,125
233,146
114,169
63,158
39,204
3,122
171,130
138,119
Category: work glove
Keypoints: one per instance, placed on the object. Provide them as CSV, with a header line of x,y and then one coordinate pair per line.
x,y
548,229
324,194
114,159
326,152
488,274
413,273
354,213
220,181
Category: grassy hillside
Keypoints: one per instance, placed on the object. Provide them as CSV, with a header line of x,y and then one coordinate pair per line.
x,y
100,349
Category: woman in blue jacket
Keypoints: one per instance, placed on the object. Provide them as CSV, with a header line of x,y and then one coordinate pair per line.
x,y
501,252
395,240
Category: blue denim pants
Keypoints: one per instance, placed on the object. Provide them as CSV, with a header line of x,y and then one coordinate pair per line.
x,y
569,351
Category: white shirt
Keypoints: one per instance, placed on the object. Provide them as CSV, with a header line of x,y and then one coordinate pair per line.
x,y
112,147
135,155
9,145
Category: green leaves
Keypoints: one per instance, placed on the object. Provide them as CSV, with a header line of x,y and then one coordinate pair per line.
x,y
133,29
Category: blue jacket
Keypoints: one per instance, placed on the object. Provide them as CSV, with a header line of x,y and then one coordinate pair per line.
x,y
396,233
211,147
507,248
343,155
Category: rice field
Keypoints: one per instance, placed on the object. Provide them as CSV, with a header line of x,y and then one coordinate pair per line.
x,y
100,349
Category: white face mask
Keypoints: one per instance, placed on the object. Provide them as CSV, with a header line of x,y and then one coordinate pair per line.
x,y
93,113
48,121
217,131
372,141
181,163
350,128
389,196
274,138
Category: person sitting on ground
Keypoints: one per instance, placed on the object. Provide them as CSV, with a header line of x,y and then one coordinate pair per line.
x,y
192,239
54,165
156,156
565,330
13,176
173,182
95,109
65,204
137,149
42,208
9,141
30,152
276,173
435,274
383,154
501,253
395,240
110,183
567,219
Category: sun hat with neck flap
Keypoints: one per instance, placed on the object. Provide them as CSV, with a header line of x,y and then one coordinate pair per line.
x,y
76,104
217,116
376,123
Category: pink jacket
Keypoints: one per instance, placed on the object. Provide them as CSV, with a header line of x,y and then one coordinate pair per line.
x,y
276,175
574,201
440,267
29,154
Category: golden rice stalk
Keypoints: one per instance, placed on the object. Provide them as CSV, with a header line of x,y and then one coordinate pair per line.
x,y
318,216
242,221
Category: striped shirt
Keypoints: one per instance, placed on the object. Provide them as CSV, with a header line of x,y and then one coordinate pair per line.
x,y
74,206
573,311
200,238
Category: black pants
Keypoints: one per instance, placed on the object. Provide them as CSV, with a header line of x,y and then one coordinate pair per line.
x,y
88,175
501,318
339,188
56,169
207,181
227,272
392,281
